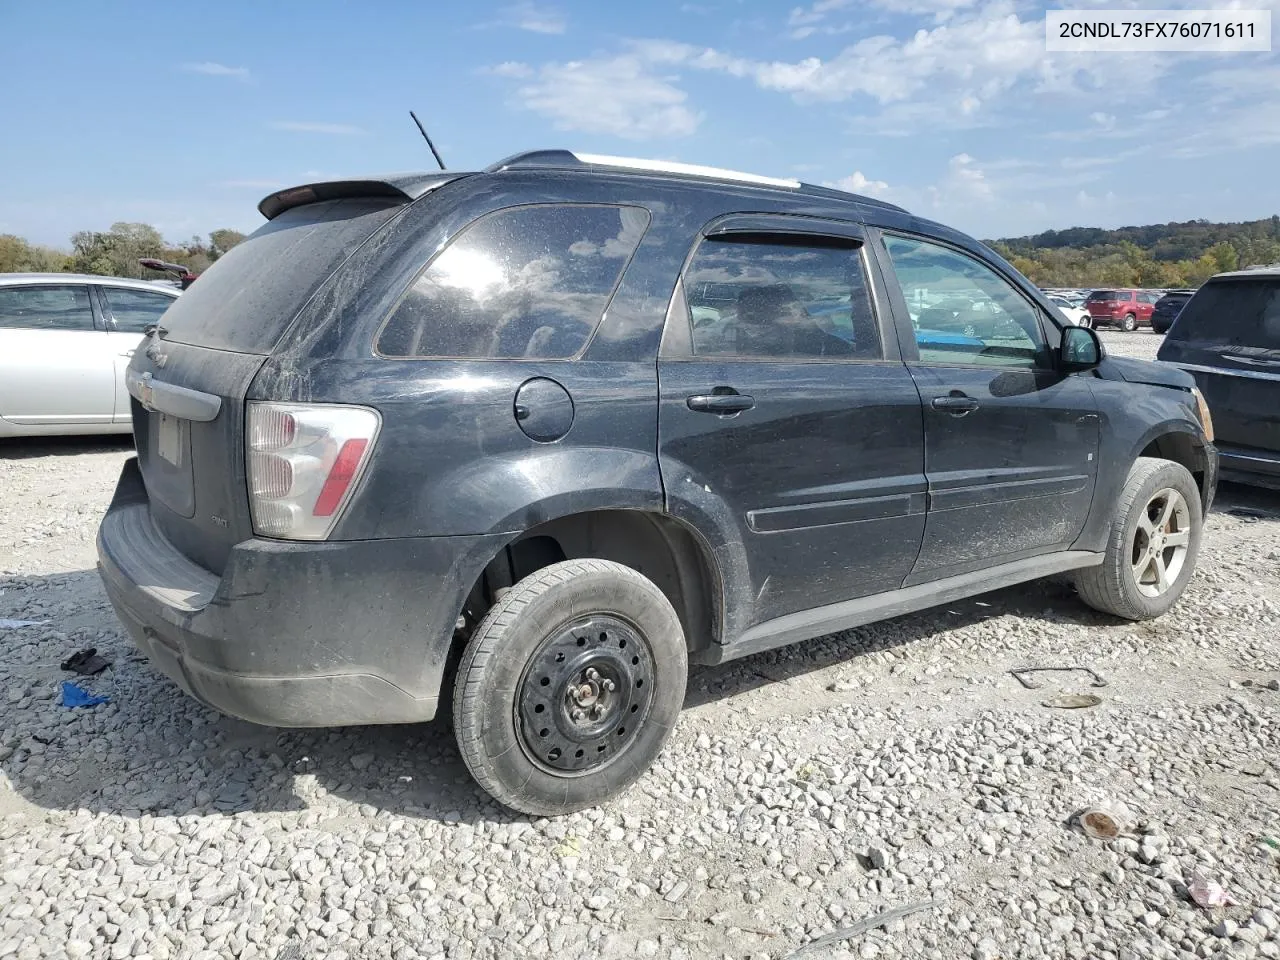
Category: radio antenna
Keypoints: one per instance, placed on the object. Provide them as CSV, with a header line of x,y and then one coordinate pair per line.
x,y
423,130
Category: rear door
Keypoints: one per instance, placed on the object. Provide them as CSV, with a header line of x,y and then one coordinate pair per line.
x,y
1228,337
786,413
127,313
1010,443
54,361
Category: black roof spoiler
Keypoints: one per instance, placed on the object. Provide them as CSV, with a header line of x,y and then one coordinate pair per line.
x,y
402,188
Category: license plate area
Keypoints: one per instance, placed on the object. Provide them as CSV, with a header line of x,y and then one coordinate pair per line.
x,y
169,439
164,454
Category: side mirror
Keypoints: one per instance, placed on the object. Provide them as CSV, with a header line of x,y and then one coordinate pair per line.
x,y
1081,349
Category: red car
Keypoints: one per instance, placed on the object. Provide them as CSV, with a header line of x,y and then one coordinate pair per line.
x,y
1123,308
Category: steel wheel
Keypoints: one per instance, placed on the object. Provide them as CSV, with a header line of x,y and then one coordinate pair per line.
x,y
584,695
1161,539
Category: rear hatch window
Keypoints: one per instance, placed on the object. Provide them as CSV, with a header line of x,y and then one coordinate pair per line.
x,y
1099,296
1241,314
247,299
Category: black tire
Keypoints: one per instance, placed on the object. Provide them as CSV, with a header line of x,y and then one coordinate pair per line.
x,y
1113,586
524,657
1129,323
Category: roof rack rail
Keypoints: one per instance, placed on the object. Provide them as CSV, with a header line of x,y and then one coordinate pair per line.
x,y
569,158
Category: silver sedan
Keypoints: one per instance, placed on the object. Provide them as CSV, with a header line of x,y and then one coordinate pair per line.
x,y
65,342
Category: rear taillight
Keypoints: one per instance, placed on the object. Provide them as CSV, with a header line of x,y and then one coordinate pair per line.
x,y
304,460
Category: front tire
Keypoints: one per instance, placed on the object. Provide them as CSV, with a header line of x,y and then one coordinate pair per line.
x,y
569,687
1153,544
1129,323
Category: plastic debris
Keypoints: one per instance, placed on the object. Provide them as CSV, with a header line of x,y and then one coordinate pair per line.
x,y
73,696
1072,701
1105,821
86,662
883,919
1020,675
1207,893
15,624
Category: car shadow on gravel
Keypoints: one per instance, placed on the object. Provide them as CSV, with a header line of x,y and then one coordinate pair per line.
x,y
31,448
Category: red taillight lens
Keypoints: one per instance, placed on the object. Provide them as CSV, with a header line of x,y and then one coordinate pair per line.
x,y
304,460
340,477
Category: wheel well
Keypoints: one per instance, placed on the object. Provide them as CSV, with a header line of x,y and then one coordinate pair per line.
x,y
1180,448
663,549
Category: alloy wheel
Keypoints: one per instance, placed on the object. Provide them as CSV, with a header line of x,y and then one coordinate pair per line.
x,y
1161,539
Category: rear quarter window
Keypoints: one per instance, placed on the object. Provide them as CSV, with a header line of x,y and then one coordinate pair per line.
x,y
1238,313
529,282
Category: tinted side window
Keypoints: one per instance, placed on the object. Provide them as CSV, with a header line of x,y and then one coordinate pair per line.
x,y
962,310
133,310
527,282
1237,313
777,298
45,308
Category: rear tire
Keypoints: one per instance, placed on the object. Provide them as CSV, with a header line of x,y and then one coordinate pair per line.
x,y
569,687
1152,546
1129,323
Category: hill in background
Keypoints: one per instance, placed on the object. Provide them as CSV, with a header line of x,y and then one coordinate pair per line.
x,y
1159,255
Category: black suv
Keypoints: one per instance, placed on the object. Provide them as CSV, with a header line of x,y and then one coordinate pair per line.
x,y
523,443
1228,338
1167,309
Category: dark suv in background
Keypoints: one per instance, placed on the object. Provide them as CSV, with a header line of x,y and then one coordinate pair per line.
x,y
1228,338
521,444
1167,309
1126,309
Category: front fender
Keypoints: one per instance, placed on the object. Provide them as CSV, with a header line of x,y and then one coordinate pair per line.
x,y
1133,416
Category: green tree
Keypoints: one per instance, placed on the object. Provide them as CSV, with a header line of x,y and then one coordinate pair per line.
x,y
19,256
1224,255
220,241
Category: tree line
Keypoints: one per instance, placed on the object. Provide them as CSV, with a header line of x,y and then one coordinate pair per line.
x,y
1158,255
114,252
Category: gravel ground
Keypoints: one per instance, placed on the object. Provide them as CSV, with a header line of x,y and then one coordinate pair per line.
x,y
803,791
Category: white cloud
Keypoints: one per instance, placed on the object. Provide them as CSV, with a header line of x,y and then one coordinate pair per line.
x,y
965,184
535,19
857,182
510,68
804,19
210,69
306,126
622,96
968,61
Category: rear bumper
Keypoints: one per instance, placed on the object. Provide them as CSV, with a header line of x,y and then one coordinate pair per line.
x,y
292,634
1249,465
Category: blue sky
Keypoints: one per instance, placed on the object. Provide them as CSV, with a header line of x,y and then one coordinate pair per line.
x,y
186,117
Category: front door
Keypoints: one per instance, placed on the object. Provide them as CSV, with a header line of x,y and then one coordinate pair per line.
x,y
1011,443
789,430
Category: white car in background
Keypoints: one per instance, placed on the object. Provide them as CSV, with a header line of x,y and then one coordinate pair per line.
x,y
65,343
1078,316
